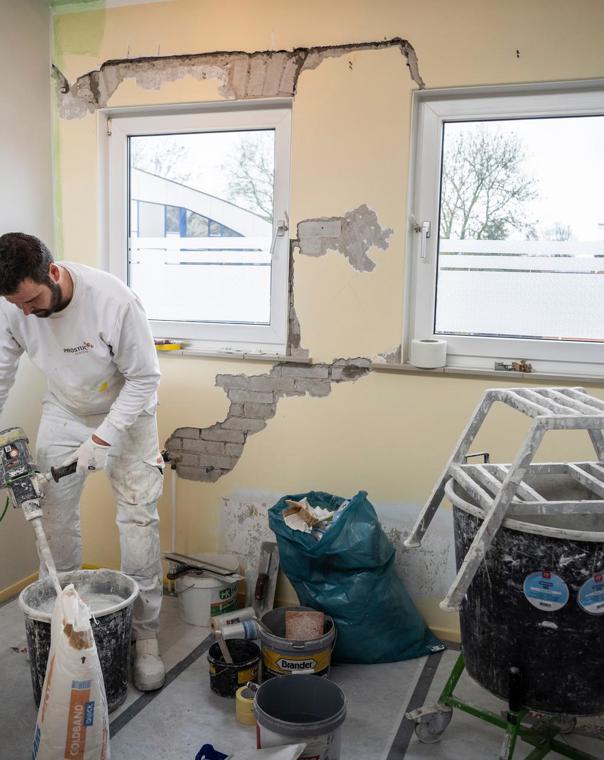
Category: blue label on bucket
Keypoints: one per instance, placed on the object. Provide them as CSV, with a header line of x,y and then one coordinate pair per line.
x,y
546,590
591,595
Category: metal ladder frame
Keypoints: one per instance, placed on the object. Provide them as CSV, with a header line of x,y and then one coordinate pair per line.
x,y
551,409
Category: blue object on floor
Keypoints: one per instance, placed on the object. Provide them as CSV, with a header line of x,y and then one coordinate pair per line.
x,y
349,574
207,752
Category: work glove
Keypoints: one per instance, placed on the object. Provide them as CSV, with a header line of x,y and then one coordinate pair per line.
x,y
91,457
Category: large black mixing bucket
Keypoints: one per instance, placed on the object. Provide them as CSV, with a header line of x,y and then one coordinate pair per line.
x,y
111,626
537,602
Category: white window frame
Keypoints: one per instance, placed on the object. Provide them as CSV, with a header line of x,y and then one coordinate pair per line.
x,y
116,126
431,109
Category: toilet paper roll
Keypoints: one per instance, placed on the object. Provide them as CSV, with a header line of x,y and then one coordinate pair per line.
x,y
428,353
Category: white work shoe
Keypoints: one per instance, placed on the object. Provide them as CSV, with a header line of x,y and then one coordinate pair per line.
x,y
149,670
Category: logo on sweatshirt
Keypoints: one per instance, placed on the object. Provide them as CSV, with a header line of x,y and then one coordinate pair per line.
x,y
86,346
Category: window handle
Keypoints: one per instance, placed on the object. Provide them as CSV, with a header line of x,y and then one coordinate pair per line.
x,y
280,230
425,230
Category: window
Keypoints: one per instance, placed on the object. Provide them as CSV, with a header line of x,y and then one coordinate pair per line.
x,y
197,205
507,226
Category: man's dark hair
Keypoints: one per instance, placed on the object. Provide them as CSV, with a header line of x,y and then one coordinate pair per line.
x,y
22,256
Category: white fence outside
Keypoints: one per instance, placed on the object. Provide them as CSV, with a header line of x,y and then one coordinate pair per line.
x,y
531,289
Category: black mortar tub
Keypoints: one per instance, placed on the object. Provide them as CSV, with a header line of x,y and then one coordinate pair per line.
x,y
111,627
537,602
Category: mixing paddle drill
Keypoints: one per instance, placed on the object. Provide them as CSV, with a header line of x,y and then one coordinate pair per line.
x,y
26,487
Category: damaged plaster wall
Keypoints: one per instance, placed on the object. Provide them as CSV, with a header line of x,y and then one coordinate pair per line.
x,y
260,74
206,454
209,453
352,235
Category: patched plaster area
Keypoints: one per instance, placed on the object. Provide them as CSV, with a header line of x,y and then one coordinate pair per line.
x,y
207,454
242,75
391,357
244,526
429,570
352,235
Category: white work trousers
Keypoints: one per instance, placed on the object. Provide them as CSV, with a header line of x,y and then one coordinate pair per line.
x,y
135,469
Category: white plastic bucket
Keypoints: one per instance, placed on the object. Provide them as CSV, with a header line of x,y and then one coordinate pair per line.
x,y
304,709
201,597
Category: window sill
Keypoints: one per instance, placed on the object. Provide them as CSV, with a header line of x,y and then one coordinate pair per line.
x,y
502,374
237,356
405,368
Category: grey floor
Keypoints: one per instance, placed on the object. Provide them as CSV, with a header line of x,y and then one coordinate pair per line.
x,y
176,721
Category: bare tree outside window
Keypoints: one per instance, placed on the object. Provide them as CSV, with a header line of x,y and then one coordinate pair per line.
x,y
164,155
250,174
484,184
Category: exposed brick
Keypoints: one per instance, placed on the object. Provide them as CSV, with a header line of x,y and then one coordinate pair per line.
x,y
262,383
174,444
212,474
284,384
186,432
191,473
306,370
314,388
263,411
188,460
255,87
312,228
236,410
222,434
350,370
258,397
206,447
234,449
232,381
222,462
243,423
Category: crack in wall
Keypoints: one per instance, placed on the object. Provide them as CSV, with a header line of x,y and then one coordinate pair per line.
x,y
207,454
243,75
352,235
294,337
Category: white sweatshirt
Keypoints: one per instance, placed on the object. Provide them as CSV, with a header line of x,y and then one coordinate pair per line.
x,y
97,353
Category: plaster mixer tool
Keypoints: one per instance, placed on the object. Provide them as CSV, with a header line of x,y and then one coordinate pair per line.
x,y
26,487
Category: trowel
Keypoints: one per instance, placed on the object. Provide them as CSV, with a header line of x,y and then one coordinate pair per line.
x,y
266,583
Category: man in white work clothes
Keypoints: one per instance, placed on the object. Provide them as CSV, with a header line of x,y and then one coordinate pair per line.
x,y
89,335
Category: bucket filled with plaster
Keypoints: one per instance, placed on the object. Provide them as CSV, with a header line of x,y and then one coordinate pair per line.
x,y
226,678
537,601
282,656
110,596
201,597
303,709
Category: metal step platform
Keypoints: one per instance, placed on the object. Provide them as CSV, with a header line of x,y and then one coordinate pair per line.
x,y
502,490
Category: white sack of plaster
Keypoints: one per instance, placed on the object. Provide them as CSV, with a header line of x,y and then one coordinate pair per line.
x,y
72,718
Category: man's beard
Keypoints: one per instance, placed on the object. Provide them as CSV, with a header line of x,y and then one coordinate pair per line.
x,y
55,301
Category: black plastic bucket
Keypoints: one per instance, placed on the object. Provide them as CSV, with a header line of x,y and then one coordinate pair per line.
x,y
111,626
225,678
537,602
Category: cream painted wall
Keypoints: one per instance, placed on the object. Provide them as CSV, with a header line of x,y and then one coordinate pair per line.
x,y
387,433
25,205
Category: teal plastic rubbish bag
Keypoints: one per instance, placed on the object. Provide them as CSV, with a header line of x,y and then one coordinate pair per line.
x,y
349,574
